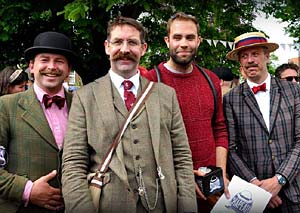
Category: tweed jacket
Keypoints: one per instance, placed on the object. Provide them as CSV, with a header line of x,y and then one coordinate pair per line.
x,y
30,145
253,150
92,127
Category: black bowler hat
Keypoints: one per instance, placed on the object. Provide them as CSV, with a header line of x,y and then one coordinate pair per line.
x,y
51,42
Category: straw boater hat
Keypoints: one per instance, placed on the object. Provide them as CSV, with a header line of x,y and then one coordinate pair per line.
x,y
51,42
246,40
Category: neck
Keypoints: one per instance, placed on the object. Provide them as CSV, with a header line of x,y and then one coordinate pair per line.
x,y
181,68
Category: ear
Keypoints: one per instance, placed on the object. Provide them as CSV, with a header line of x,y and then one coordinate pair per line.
x,y
167,41
199,39
267,57
144,48
31,66
106,45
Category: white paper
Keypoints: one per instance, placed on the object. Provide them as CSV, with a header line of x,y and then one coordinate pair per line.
x,y
244,198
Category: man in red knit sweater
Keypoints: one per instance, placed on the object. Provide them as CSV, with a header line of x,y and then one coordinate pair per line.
x,y
208,138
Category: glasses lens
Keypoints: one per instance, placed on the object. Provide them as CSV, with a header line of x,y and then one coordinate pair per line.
x,y
290,78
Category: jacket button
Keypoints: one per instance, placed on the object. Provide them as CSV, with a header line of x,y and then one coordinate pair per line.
x,y
270,141
137,157
135,141
133,126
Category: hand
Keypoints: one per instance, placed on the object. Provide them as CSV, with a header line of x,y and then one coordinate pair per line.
x,y
271,185
256,182
226,191
42,194
275,202
198,191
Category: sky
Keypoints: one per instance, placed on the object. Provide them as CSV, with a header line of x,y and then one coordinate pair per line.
x,y
275,31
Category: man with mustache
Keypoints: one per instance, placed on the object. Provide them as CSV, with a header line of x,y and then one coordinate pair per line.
x,y
33,125
151,168
206,132
263,118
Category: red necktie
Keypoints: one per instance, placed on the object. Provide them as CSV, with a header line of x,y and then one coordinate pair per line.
x,y
259,88
59,101
129,97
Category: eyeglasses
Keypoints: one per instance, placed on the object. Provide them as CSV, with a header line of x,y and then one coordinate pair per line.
x,y
119,43
290,78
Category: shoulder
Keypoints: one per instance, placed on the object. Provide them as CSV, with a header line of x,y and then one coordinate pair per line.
x,y
285,87
13,99
214,78
96,84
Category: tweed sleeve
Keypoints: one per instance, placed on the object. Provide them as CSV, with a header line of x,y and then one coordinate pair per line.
x,y
182,162
11,185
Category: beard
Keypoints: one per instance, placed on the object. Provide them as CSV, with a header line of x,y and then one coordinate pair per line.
x,y
182,61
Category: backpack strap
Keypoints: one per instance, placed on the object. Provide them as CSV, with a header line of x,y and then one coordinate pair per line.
x,y
213,89
157,73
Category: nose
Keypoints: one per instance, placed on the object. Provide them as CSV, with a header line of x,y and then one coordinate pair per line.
x,y
52,65
124,47
184,43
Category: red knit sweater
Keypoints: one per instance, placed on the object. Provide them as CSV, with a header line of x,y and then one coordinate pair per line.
x,y
197,106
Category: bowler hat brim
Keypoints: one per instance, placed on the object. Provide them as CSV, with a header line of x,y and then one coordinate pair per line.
x,y
31,52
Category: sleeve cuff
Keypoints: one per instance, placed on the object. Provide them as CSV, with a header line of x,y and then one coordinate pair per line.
x,y
26,193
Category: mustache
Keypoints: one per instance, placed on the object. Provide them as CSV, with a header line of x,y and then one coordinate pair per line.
x,y
56,72
127,56
251,65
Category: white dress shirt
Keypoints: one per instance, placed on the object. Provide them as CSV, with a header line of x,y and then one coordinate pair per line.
x,y
117,80
263,99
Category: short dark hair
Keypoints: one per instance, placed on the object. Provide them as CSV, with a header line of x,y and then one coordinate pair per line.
x,y
279,70
120,21
184,17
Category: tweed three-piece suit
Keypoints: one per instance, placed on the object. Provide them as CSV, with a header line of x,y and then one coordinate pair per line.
x,y
96,115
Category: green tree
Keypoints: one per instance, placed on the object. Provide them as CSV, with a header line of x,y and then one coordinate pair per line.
x,y
85,22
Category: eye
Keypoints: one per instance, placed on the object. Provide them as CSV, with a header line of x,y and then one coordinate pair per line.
x,y
117,42
191,37
177,37
133,43
44,60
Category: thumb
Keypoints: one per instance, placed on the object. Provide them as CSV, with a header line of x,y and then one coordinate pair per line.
x,y
50,175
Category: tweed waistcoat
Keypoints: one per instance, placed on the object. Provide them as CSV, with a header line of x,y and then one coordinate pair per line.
x,y
138,152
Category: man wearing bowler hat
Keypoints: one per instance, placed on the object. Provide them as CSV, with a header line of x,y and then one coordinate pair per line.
x,y
33,125
263,118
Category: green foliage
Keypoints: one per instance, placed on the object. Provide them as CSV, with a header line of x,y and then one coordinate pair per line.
x,y
85,22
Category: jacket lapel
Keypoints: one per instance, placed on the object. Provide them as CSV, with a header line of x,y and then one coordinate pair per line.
x,y
153,113
250,100
34,116
275,99
68,97
104,91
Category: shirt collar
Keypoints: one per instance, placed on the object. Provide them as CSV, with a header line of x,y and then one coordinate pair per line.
x,y
267,81
40,92
118,80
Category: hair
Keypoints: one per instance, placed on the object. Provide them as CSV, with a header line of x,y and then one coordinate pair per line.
x,y
4,79
182,17
279,70
121,21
